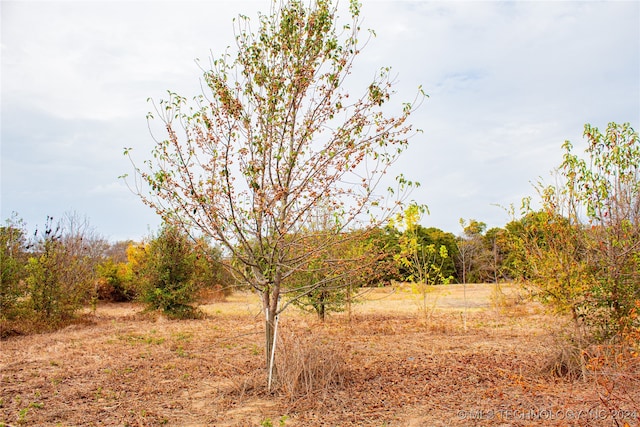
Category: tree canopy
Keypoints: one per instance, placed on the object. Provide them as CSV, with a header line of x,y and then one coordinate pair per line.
x,y
274,135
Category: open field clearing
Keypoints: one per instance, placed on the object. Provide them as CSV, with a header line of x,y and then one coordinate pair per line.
x,y
395,364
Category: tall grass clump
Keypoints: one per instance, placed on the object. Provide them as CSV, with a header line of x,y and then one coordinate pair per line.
x,y
308,365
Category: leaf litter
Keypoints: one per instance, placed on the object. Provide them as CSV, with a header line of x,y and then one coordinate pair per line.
x,y
123,368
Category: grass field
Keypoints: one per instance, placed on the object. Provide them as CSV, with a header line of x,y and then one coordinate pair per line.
x,y
472,356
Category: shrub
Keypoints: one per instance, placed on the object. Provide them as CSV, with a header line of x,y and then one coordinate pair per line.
x,y
580,251
115,282
12,263
61,272
168,274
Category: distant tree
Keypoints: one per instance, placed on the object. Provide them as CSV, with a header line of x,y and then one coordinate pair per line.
x,y
336,274
473,227
379,246
474,258
117,251
327,294
372,264
275,136
115,275
397,231
137,256
342,276
322,274
497,242
439,238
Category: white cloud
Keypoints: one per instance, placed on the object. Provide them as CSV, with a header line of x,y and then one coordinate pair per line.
x,y
508,83
102,60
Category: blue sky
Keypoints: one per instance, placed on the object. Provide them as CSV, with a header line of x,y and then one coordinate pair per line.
x,y
508,83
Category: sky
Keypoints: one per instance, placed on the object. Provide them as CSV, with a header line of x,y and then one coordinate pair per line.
x,y
508,83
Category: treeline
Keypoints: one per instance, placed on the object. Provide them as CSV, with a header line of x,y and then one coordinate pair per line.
x,y
579,253
49,274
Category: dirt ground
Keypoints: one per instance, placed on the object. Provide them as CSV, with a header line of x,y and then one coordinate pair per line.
x,y
472,356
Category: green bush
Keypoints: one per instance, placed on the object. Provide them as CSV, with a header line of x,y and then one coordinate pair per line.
x,y
60,272
47,278
168,274
12,266
115,282
580,251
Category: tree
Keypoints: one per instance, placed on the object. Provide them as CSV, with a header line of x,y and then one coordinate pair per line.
x,y
581,250
322,270
115,281
50,296
380,246
516,263
473,257
340,275
117,251
497,242
115,275
337,273
327,294
607,185
438,238
423,262
274,136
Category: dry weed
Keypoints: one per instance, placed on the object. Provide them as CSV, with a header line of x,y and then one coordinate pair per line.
x,y
307,365
569,360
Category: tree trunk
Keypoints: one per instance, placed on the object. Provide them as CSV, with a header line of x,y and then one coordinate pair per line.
x,y
321,312
322,305
269,325
270,307
349,301
495,262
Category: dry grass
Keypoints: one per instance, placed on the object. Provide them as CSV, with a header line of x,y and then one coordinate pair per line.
x,y
393,368
310,366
